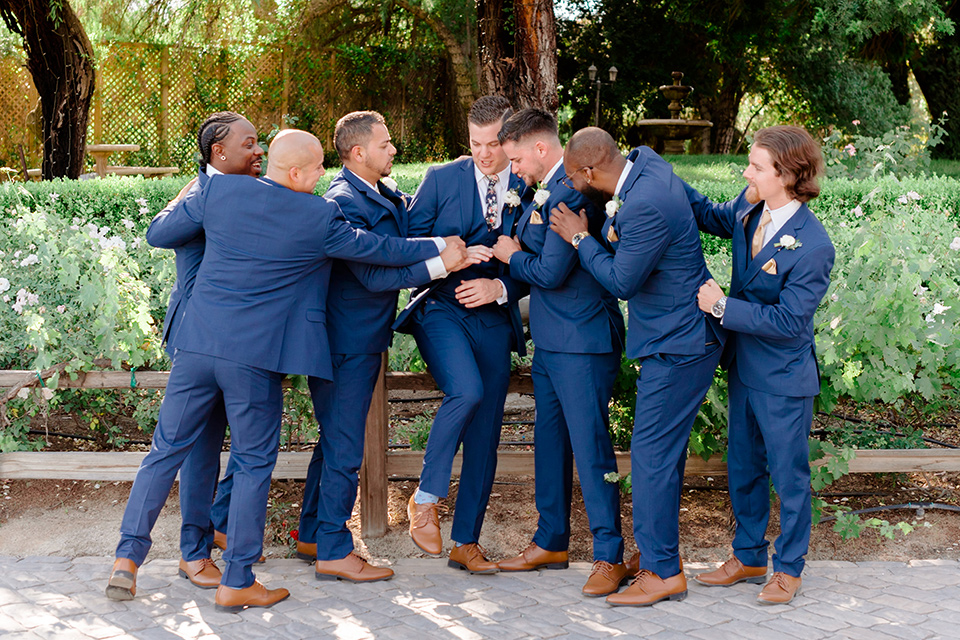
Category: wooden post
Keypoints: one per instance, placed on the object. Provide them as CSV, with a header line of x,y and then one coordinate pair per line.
x,y
373,471
163,124
285,96
331,91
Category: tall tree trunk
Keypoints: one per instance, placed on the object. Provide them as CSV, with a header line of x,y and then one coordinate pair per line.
x,y
722,110
521,67
60,59
937,72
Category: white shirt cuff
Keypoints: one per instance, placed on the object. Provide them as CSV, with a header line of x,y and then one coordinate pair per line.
x,y
440,242
435,268
503,298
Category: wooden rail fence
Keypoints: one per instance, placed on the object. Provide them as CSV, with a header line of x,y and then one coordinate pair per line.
x,y
379,464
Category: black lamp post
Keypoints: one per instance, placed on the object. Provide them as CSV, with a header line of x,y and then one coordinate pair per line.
x,y
592,70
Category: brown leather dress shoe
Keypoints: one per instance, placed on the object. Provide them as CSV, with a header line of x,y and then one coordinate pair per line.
x,y
633,564
123,580
425,526
220,542
307,551
731,572
605,579
470,557
648,588
256,595
353,568
780,590
203,573
533,557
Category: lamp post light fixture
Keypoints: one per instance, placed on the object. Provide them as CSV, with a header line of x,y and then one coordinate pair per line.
x,y
592,71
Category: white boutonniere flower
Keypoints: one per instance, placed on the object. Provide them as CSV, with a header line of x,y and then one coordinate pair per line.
x,y
512,199
541,196
788,242
389,183
613,206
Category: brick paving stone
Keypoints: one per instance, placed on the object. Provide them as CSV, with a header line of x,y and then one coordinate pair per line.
x,y
29,615
668,634
128,620
29,561
155,633
595,610
590,629
842,600
736,631
536,627
940,628
637,628
738,613
904,604
813,618
556,598
490,610
9,625
94,626
905,632
9,596
842,615
857,633
793,629
487,628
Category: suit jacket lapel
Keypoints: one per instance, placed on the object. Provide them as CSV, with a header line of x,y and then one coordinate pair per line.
x,y
386,206
508,215
638,163
769,250
471,209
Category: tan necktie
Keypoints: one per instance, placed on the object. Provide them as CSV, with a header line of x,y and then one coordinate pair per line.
x,y
765,219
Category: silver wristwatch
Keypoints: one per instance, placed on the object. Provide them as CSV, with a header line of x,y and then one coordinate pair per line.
x,y
719,307
577,238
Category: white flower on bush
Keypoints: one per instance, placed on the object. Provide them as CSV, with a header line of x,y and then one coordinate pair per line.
x,y
389,183
24,299
144,211
512,198
113,242
127,223
6,298
4,285
24,393
54,196
938,310
850,149
540,197
955,245
29,260
141,201
857,211
46,393
902,199
834,297
61,308
135,243
835,322
913,195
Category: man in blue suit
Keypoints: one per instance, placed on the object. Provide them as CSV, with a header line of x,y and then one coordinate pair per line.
x,y
782,259
257,312
465,326
228,145
658,267
578,332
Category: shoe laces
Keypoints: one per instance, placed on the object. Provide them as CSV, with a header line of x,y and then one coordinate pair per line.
x,y
779,580
429,516
474,550
204,563
603,569
642,576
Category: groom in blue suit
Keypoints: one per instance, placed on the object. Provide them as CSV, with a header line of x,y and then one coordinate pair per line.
x,y
257,312
465,326
578,332
782,259
658,267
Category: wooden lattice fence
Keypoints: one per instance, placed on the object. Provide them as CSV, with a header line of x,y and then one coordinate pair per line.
x,y
157,95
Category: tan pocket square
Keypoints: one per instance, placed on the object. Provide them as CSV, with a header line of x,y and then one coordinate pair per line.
x,y
612,234
770,267
535,218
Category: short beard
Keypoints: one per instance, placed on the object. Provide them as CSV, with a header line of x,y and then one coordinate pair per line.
x,y
597,197
752,195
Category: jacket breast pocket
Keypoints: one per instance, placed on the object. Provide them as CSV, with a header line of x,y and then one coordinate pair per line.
x,y
316,315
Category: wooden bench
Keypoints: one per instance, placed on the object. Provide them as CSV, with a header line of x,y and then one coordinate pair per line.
x,y
149,172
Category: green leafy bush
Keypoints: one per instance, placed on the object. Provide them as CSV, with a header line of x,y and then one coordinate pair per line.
x,y
902,151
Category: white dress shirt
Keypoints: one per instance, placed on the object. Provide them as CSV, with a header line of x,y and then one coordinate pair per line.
x,y
778,218
483,184
547,178
623,178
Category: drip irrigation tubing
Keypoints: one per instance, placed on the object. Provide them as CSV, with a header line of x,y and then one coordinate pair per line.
x,y
892,431
920,507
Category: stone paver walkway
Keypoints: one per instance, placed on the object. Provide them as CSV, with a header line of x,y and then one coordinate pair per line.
x,y
52,598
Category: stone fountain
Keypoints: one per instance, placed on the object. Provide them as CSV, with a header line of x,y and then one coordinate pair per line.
x,y
667,136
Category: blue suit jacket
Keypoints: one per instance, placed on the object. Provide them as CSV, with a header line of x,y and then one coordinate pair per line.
x,y
260,294
188,259
448,203
770,317
362,300
569,311
658,266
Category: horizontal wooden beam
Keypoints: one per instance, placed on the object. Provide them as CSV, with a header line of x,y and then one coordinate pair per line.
x,y
406,380
111,466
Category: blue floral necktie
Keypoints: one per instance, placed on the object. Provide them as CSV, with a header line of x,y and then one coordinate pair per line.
x,y
491,202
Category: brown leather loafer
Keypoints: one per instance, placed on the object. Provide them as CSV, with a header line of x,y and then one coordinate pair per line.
x,y
605,579
256,595
203,573
780,590
731,572
353,568
123,580
533,557
425,526
648,588
220,542
307,551
470,557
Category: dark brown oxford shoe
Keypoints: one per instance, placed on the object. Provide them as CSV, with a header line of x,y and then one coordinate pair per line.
x,y
123,580
256,595
533,557
353,568
731,572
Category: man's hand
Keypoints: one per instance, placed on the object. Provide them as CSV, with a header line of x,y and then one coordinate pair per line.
x,y
476,293
709,293
455,240
183,192
566,223
454,257
505,247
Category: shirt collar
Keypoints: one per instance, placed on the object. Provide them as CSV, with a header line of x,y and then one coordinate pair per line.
x,y
780,216
503,175
213,171
547,178
623,178
372,186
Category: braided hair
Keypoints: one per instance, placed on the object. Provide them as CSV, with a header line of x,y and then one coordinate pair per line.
x,y
213,130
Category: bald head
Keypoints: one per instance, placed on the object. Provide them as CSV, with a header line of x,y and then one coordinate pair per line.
x,y
591,147
295,160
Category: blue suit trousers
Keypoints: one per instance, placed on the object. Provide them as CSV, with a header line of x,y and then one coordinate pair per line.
x,y
330,492
253,399
198,482
670,390
470,360
768,438
573,394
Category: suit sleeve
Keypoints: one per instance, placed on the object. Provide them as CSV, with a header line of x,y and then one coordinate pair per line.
x,y
425,206
178,223
344,241
804,288
644,237
556,260
715,219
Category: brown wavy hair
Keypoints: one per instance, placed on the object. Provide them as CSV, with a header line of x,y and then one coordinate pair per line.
x,y
796,156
